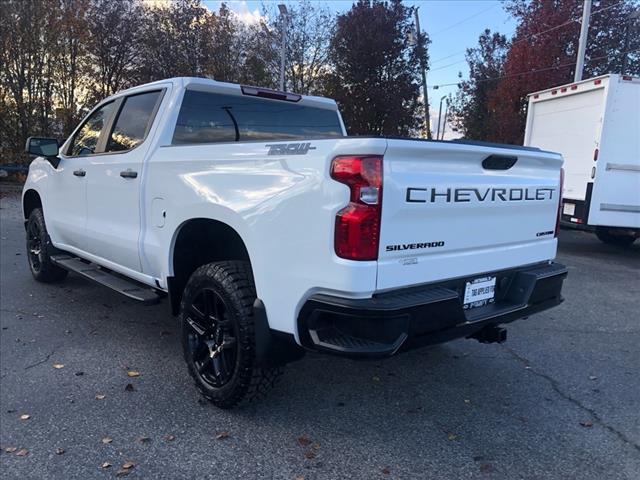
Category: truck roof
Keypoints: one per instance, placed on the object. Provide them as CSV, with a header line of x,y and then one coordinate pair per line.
x,y
200,83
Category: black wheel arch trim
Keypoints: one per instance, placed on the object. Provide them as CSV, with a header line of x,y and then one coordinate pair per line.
x,y
273,347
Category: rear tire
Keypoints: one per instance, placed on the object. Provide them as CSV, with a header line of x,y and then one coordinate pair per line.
x,y
40,249
620,240
218,336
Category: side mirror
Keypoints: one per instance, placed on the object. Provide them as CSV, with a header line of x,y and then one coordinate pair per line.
x,y
44,147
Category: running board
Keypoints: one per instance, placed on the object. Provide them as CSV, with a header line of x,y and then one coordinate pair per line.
x,y
128,288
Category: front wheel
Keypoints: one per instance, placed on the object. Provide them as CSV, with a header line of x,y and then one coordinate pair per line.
x,y
218,337
605,235
39,250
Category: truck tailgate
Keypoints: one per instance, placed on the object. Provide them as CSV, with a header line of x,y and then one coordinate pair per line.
x,y
452,209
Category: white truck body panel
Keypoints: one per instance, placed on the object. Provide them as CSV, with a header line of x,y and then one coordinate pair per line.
x,y
600,114
284,208
480,231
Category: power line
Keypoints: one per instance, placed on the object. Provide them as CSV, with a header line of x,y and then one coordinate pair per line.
x,y
533,35
554,67
464,20
447,65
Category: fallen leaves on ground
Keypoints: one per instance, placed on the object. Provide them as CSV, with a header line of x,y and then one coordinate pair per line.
x,y
486,468
133,373
125,469
222,435
100,397
304,441
25,416
452,436
58,366
587,424
310,454
106,440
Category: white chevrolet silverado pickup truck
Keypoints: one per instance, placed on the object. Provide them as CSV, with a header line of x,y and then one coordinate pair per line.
x,y
273,233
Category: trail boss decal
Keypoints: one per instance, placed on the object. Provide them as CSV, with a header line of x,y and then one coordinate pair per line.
x,y
413,246
289,148
461,195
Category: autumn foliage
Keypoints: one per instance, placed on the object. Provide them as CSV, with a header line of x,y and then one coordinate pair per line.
x,y
375,69
541,54
59,57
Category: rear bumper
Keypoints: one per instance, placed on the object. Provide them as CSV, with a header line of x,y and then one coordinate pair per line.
x,y
409,318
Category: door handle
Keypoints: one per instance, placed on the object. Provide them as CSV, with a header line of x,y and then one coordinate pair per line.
x,y
79,173
128,174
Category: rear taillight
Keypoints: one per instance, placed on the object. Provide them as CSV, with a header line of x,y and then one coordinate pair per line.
x,y
559,202
357,233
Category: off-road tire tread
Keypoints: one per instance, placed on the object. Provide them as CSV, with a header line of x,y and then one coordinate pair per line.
x,y
254,381
49,273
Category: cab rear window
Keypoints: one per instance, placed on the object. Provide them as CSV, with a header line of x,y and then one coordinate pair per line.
x,y
211,117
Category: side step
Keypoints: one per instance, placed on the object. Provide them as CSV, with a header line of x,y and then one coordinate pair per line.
x,y
128,288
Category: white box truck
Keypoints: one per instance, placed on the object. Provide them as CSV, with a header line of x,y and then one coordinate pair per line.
x,y
595,125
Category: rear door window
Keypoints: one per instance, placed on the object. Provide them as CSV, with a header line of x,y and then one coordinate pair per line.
x,y
211,117
133,121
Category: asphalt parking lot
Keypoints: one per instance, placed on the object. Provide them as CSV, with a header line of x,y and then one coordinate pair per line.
x,y
560,399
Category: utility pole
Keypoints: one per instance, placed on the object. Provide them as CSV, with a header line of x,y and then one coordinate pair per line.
x,y
440,117
283,48
625,55
444,124
427,125
582,46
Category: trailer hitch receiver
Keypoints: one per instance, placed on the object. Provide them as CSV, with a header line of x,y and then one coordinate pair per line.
x,y
490,334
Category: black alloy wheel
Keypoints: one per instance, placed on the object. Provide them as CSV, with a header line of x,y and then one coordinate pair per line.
x,y
34,247
39,250
218,335
212,342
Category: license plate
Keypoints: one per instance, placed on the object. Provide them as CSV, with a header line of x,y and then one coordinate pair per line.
x,y
569,208
479,292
